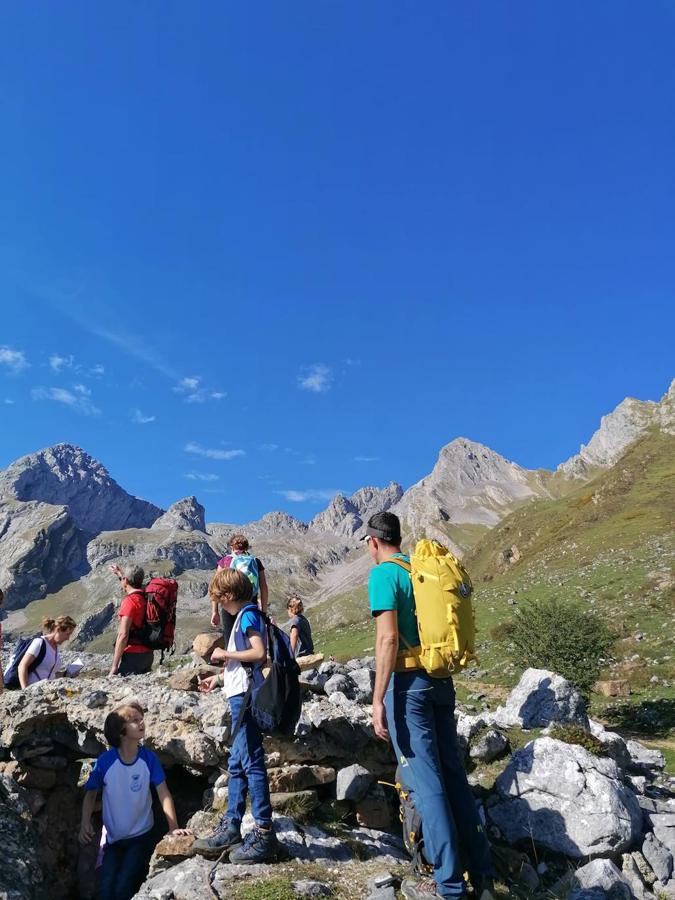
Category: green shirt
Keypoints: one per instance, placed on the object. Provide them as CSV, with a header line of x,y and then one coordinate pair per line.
x,y
389,587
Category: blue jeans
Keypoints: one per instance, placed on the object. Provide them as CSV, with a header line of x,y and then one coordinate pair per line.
x,y
125,865
422,727
247,770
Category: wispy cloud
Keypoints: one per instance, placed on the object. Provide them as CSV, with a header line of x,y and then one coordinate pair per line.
x,y
58,363
318,496
77,400
269,448
317,379
98,369
366,459
8,401
202,476
140,418
192,391
212,453
15,360
131,345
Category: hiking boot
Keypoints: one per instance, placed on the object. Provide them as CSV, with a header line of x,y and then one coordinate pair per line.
x,y
226,835
419,889
259,845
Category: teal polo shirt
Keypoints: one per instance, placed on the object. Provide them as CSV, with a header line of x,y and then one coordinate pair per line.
x,y
389,587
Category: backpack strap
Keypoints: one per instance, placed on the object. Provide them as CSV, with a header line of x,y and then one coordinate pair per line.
x,y
408,658
399,562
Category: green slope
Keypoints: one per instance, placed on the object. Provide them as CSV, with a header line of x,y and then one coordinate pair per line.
x,y
609,544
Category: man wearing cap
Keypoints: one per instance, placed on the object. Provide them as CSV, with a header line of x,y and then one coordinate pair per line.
x,y
416,712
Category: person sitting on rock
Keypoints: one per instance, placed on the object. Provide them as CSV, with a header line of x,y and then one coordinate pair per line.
x,y
246,765
301,631
131,656
42,661
124,774
240,558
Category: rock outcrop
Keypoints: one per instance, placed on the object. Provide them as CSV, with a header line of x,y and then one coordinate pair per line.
x,y
348,515
629,421
184,515
42,549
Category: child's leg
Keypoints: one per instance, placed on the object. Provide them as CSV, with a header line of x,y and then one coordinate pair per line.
x,y
107,886
135,857
256,773
237,785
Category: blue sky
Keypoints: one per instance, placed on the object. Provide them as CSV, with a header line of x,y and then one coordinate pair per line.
x,y
264,252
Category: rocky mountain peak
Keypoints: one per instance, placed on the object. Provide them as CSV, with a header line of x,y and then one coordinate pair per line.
x,y
65,475
347,515
184,515
470,484
618,429
277,521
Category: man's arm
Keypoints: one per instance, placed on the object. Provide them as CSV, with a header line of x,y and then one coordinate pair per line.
x,y
294,638
121,643
256,654
168,806
386,648
262,585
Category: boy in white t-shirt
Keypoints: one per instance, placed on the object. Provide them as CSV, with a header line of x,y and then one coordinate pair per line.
x,y
247,646
124,774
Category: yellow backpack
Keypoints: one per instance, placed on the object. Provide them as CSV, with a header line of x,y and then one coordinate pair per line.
x,y
445,622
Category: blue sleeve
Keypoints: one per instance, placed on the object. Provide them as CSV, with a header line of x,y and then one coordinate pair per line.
x,y
151,760
251,619
97,775
382,588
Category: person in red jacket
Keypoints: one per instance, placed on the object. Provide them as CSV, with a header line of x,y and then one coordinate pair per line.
x,y
131,656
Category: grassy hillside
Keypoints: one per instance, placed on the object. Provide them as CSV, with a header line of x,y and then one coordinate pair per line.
x,y
609,543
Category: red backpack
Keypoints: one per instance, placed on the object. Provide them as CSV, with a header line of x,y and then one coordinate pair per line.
x,y
159,629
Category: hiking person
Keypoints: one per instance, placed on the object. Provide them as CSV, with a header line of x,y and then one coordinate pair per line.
x,y
246,765
416,712
131,656
124,773
300,629
241,559
42,660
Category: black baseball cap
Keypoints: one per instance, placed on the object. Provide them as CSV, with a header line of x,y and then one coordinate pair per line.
x,y
385,526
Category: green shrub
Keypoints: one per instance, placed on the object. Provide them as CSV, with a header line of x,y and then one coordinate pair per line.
x,y
575,734
564,637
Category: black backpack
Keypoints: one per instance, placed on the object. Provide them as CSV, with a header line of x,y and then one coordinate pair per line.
x,y
11,677
411,822
275,701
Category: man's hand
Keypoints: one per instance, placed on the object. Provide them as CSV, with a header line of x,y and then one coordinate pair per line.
x,y
380,721
86,832
206,685
180,831
219,655
215,619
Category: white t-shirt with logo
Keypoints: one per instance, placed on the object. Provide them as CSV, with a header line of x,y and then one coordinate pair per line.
x,y
235,676
127,801
50,665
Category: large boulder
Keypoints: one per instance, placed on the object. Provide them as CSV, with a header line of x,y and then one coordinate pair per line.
x,y
563,797
539,699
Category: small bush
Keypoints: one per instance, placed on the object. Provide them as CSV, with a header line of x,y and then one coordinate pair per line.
x,y
575,734
564,637
501,633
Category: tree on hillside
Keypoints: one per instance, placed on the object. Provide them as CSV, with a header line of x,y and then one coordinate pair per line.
x,y
561,636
